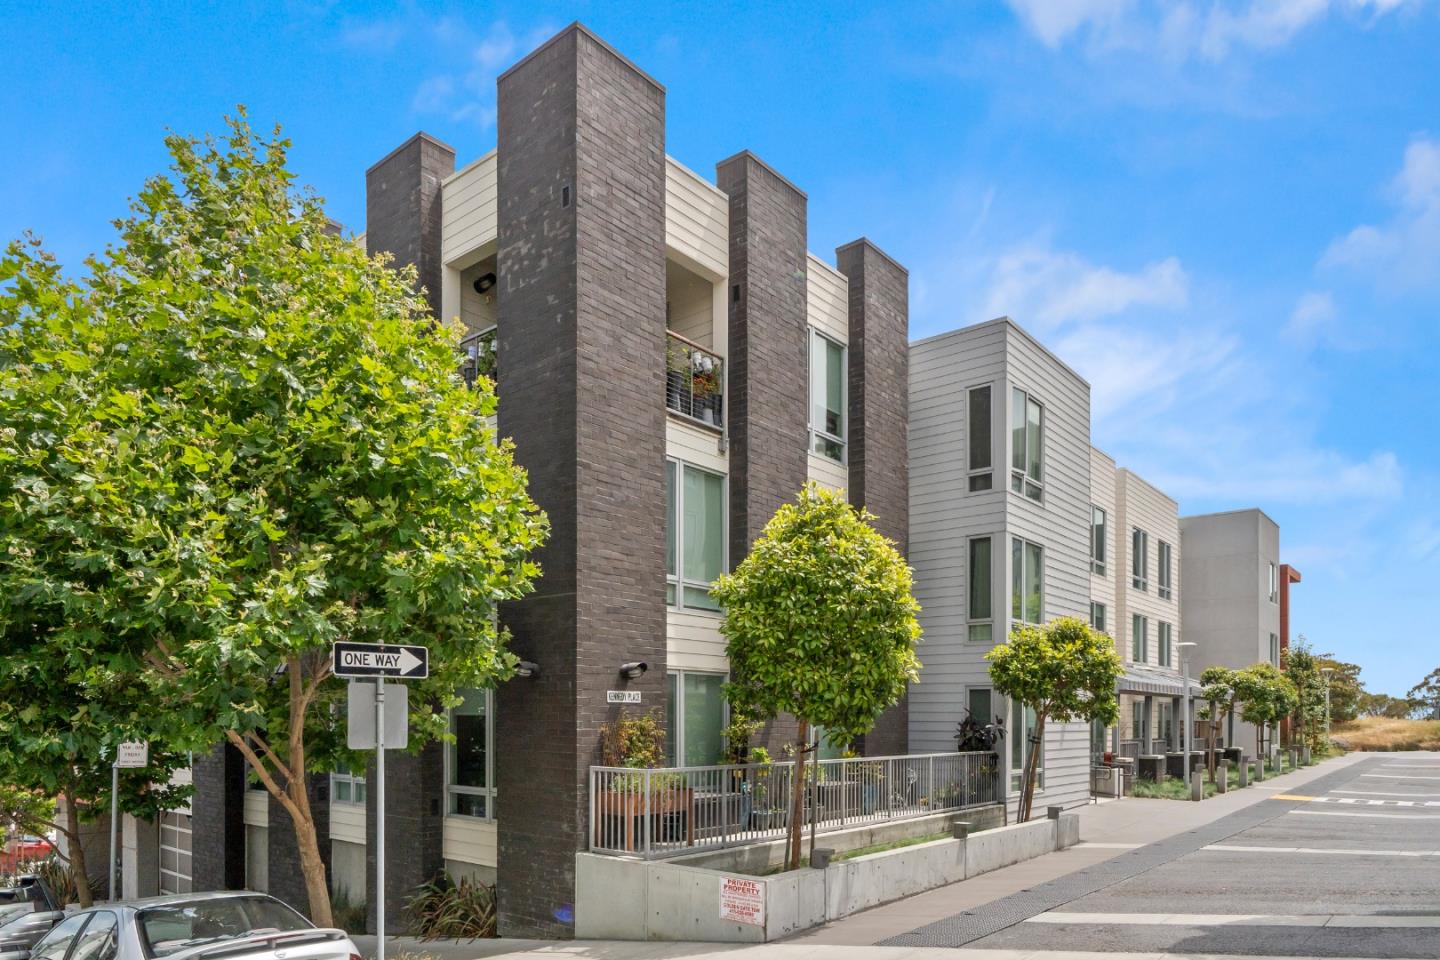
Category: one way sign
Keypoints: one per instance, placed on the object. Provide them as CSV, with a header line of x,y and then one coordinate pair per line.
x,y
381,660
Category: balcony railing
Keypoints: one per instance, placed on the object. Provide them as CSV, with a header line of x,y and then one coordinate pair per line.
x,y
479,356
694,381
672,811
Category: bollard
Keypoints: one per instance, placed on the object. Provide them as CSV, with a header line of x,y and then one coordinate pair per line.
x,y
1259,769
1243,768
1197,787
1222,777
820,858
1305,756
1294,758
960,829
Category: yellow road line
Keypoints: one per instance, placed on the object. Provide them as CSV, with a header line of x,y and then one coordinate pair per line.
x,y
1291,796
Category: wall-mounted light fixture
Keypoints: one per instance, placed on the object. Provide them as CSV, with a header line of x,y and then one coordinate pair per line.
x,y
527,670
484,283
634,670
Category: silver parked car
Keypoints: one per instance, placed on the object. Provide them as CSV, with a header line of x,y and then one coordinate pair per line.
x,y
27,912
197,926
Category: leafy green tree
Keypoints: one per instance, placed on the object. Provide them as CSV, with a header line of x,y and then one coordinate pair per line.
x,y
1303,668
1064,671
1346,688
278,453
1425,695
1266,696
1218,691
820,622
1384,705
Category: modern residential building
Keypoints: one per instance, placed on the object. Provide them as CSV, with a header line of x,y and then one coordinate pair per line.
x,y
672,364
1135,597
1231,605
1001,516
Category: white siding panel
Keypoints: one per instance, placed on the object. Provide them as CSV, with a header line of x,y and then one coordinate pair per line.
x,y
694,444
827,298
256,808
693,642
468,209
828,473
347,822
697,219
470,840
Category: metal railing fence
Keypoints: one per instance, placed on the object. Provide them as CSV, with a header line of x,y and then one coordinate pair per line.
x,y
694,381
670,811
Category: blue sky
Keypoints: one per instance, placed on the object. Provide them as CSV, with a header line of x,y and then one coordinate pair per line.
x,y
1226,215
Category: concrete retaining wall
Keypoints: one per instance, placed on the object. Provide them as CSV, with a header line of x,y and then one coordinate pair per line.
x,y
622,899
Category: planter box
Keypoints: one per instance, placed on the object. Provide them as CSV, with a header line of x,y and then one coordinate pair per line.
x,y
633,806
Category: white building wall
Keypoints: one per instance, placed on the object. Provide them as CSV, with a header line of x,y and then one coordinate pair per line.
x,y
1102,585
827,294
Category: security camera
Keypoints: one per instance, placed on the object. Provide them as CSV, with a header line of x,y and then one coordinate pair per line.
x,y
634,670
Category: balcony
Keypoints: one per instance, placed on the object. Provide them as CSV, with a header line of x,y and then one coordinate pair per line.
x,y
694,382
478,356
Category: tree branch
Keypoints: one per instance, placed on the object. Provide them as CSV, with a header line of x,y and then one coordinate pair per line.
x,y
265,778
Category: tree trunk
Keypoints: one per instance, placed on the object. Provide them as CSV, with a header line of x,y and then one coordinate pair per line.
x,y
1210,741
1032,766
797,798
312,866
78,868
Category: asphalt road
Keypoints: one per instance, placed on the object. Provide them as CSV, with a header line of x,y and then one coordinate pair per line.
x,y
1348,867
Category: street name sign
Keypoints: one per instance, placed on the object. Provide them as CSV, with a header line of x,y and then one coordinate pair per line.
x,y
397,661
132,754
622,696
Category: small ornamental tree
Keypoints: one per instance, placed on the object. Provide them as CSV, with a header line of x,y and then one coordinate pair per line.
x,y
276,452
1063,671
1346,688
820,623
1218,690
1266,696
1302,668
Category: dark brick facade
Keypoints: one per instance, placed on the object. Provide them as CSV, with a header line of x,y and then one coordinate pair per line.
x,y
217,829
879,425
284,878
581,332
402,209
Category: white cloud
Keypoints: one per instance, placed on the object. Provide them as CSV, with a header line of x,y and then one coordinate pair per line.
x,y
1049,288
1181,29
1401,254
1312,320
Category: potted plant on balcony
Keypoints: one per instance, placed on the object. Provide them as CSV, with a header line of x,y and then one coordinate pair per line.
x,y
638,742
737,747
764,815
705,390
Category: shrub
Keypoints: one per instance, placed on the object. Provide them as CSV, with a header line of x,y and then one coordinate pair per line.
x,y
445,909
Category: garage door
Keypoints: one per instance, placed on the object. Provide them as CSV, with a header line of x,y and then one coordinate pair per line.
x,y
175,853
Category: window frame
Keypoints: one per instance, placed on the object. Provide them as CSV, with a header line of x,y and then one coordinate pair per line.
x,y
972,621
1275,649
677,582
1274,584
1018,579
1164,573
816,431
1098,623
674,743
1139,638
452,789
349,780
1027,474
1098,564
1139,559
1165,642
1020,744
979,478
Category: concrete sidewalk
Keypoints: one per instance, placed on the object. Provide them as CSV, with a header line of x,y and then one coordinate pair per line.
x,y
1107,829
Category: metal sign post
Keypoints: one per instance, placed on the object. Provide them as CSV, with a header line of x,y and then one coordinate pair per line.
x,y
127,755
378,661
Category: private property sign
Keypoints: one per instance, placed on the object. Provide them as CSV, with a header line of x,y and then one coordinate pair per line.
x,y
381,660
742,901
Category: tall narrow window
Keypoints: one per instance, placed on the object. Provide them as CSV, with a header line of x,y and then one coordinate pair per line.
x,y
1275,649
1139,638
981,704
1097,540
1097,616
1137,721
1274,586
694,718
1027,444
470,758
1164,574
981,449
827,397
1027,579
982,590
1140,559
1162,638
1167,720
695,534
1022,730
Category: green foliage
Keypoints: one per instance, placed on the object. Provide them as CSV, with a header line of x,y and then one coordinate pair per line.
x,y
1266,696
1384,705
1426,695
446,909
1346,688
1303,669
634,740
1064,671
820,620
23,810
236,442
737,735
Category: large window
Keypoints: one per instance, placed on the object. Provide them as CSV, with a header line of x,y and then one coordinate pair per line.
x,y
1140,559
1274,586
981,702
1097,616
1022,730
981,586
470,760
1139,638
1165,575
1097,540
1027,576
694,718
348,786
827,397
1027,444
1275,649
1137,721
982,475
1163,635
694,534
1167,721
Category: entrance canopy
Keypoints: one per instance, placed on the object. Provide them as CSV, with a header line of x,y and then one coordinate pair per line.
x,y
1145,679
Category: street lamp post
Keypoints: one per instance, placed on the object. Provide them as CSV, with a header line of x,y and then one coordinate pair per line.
x,y
1189,728
1326,671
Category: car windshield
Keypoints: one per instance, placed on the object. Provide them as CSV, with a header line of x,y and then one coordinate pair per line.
x,y
176,927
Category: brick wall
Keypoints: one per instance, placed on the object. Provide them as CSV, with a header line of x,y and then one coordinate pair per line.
x,y
879,406
217,828
284,878
581,282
